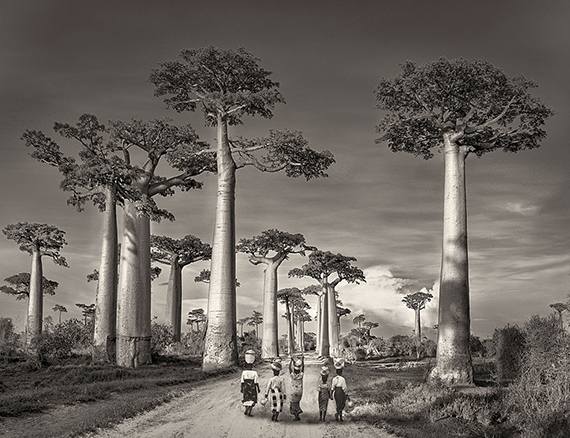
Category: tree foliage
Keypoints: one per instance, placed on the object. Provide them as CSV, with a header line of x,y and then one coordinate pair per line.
x,y
487,109
20,286
46,239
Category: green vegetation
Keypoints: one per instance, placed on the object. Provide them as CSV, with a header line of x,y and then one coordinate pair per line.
x,y
534,403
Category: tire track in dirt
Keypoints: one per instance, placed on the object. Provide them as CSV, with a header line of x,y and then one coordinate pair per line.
x,y
214,410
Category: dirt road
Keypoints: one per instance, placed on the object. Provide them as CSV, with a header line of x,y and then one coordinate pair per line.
x,y
214,410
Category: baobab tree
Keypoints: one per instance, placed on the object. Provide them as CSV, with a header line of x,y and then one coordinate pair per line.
x,y
271,248
87,310
255,320
417,302
61,309
560,308
300,316
329,270
229,85
459,107
104,178
196,316
287,296
39,240
177,253
20,289
240,323
181,149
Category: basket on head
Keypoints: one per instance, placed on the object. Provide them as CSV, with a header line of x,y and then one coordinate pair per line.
x,y
249,356
325,371
276,365
338,363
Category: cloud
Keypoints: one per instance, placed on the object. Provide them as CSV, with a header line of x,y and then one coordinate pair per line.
x,y
521,208
380,300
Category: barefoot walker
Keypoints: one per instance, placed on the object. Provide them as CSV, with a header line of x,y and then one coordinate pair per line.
x,y
296,371
249,384
324,391
276,390
339,390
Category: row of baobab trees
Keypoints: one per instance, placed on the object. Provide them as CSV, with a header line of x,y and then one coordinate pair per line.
x,y
458,107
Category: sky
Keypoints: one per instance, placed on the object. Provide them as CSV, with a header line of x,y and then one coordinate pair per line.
x,y
60,59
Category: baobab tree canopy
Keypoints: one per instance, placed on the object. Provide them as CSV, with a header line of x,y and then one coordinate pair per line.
x,y
219,80
487,109
272,240
189,249
47,239
21,286
417,300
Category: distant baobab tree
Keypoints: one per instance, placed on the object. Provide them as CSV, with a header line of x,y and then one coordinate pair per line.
x,y
178,253
59,308
39,240
87,310
560,308
271,249
329,270
417,302
20,289
229,85
458,107
256,319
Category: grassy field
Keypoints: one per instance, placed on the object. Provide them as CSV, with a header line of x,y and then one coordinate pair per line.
x,y
92,395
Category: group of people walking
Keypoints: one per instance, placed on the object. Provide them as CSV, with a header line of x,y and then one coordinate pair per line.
x,y
275,392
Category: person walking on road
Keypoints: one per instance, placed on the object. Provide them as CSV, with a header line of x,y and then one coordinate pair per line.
x,y
339,389
249,383
296,371
324,391
276,390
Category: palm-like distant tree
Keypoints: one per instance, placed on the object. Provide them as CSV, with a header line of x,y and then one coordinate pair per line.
x,y
59,308
255,320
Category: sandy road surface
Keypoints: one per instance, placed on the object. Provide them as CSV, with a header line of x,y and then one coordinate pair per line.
x,y
214,410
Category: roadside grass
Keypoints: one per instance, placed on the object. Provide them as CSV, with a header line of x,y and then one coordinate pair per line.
x,y
26,389
399,401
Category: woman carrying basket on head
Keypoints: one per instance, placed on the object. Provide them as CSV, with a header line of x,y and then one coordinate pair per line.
x,y
275,390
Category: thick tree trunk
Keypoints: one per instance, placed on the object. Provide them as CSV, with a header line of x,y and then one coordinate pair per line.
x,y
332,322
134,298
174,299
325,342
106,299
301,336
270,338
418,325
220,348
35,302
453,365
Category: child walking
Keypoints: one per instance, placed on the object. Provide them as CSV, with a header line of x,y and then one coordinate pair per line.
x,y
339,390
276,389
324,392
296,371
249,384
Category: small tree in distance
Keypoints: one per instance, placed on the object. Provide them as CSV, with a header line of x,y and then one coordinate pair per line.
x,y
59,308
39,240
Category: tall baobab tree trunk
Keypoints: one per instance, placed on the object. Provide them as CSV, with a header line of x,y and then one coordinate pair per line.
x,y
220,347
332,322
290,330
324,342
35,303
133,309
454,364
300,336
106,301
270,337
174,299
319,323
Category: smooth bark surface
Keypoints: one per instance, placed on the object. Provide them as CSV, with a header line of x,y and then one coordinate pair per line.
x,y
454,365
104,336
220,349
35,303
270,336
173,315
324,343
332,322
133,303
